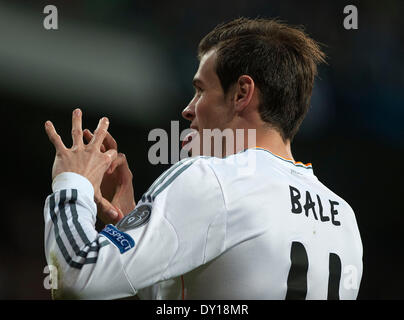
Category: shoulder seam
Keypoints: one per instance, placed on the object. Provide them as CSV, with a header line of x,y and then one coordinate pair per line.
x,y
224,204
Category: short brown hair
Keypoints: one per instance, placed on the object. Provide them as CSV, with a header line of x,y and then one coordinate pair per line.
x,y
282,60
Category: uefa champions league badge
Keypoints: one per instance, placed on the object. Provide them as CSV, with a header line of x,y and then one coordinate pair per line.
x,y
135,219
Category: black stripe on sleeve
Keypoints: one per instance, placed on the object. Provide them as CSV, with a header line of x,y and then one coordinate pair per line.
x,y
171,179
160,179
75,216
90,247
65,225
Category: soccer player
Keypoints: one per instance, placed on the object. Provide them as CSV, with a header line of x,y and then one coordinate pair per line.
x,y
205,229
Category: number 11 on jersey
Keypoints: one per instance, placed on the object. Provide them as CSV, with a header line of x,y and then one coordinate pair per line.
x,y
297,278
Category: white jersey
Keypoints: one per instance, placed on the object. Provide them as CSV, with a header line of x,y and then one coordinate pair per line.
x,y
249,226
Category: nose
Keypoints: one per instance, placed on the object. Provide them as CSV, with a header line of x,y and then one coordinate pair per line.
x,y
188,113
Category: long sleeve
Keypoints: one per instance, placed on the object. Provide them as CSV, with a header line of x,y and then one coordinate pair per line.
x,y
202,212
178,225
86,264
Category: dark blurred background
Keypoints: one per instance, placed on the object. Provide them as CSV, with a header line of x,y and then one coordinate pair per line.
x,y
133,61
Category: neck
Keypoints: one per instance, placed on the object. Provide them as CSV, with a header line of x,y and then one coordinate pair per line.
x,y
266,138
271,140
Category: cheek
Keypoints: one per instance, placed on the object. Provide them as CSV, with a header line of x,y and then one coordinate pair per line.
x,y
204,112
211,112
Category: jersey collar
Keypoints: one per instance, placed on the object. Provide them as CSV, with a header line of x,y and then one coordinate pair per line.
x,y
306,167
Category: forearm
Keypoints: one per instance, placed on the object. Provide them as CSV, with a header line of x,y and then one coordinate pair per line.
x,y
73,245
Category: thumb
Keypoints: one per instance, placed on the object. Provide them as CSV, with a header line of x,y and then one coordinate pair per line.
x,y
108,213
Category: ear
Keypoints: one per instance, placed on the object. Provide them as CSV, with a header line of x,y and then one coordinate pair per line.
x,y
243,94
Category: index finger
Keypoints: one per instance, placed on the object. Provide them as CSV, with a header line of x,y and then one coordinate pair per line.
x,y
109,142
89,136
100,132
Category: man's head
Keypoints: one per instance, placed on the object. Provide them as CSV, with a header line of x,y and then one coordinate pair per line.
x,y
254,66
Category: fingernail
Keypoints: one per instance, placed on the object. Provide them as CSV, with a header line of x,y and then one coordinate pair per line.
x,y
113,213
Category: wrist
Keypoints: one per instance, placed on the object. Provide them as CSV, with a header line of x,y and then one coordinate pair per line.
x,y
72,180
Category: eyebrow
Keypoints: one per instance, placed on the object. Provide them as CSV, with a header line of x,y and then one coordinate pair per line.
x,y
196,82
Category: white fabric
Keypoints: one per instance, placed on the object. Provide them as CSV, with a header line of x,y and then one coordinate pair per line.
x,y
226,225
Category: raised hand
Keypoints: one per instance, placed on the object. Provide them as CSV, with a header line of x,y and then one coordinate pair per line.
x,y
86,160
116,187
